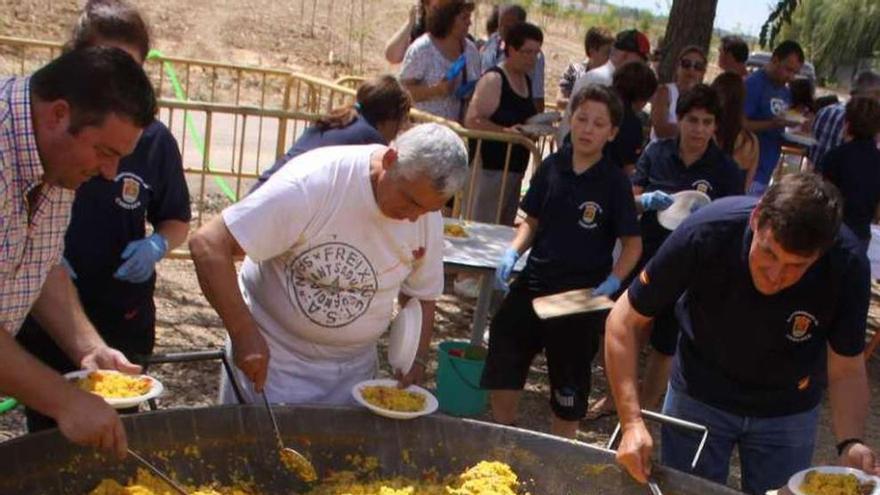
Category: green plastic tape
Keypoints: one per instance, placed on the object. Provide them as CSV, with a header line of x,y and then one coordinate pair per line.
x,y
7,404
190,125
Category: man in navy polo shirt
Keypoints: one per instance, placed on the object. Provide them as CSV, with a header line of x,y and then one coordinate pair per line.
x,y
772,297
577,206
767,99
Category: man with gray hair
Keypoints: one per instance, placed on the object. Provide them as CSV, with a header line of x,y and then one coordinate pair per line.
x,y
828,125
330,241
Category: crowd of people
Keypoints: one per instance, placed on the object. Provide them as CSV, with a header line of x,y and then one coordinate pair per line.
x,y
752,307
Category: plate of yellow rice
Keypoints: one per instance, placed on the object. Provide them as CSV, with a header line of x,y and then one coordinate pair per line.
x,y
117,389
833,480
383,397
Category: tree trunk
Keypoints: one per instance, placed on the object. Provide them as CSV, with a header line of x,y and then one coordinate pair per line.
x,y
690,23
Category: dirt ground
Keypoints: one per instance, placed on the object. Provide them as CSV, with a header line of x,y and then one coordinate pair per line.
x,y
282,35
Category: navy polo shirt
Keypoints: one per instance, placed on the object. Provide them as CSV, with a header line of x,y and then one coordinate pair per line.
x,y
854,168
579,218
660,168
739,350
359,131
107,215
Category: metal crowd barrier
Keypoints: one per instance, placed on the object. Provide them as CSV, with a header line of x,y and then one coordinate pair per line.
x,y
350,81
275,99
226,147
173,77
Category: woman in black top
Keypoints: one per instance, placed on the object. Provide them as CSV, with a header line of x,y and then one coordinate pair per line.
x,y
502,102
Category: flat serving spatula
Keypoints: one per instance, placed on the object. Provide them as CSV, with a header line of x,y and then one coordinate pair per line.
x,y
569,303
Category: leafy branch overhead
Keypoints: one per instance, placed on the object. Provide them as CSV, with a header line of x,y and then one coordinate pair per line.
x,y
834,33
780,15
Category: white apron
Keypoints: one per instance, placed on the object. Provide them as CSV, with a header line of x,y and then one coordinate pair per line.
x,y
294,379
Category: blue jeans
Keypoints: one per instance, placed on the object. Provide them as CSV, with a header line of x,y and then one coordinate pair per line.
x,y
770,449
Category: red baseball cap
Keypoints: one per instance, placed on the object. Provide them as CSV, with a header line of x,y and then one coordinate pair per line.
x,y
633,40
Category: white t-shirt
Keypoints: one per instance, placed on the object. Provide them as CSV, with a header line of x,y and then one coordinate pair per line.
x,y
671,116
323,264
425,64
603,76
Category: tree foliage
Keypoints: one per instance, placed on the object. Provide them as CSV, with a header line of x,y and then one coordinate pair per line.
x,y
780,15
833,33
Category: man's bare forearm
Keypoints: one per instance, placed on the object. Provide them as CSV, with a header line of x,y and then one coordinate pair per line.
x,y
59,311
621,358
213,252
31,382
849,395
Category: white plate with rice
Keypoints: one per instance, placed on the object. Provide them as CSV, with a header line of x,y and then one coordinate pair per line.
x,y
155,390
358,391
796,482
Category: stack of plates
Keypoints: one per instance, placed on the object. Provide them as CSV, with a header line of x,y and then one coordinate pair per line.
x,y
403,341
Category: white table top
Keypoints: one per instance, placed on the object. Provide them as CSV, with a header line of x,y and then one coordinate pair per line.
x,y
483,247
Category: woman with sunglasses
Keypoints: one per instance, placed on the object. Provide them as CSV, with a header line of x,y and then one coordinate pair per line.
x,y
689,72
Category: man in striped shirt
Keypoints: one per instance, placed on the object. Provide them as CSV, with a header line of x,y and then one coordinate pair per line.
x,y
71,120
828,125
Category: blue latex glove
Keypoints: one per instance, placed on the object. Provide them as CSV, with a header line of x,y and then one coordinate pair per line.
x,y
465,90
607,288
456,68
656,200
696,206
505,268
140,258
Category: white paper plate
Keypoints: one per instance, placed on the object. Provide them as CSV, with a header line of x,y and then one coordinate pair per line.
x,y
453,238
671,217
431,403
546,118
403,339
795,482
155,390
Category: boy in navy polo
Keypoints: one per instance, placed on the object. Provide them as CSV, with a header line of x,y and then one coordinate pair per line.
x,y
691,161
772,297
577,206
854,167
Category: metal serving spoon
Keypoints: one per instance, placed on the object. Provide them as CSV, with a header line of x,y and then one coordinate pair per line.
x,y
158,472
653,486
291,459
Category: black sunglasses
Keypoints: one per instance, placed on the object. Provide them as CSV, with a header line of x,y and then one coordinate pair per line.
x,y
690,64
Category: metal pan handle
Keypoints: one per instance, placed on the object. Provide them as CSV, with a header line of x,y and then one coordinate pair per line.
x,y
670,421
195,356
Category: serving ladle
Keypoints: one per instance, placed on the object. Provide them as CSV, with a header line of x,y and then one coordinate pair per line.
x,y
291,459
158,472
